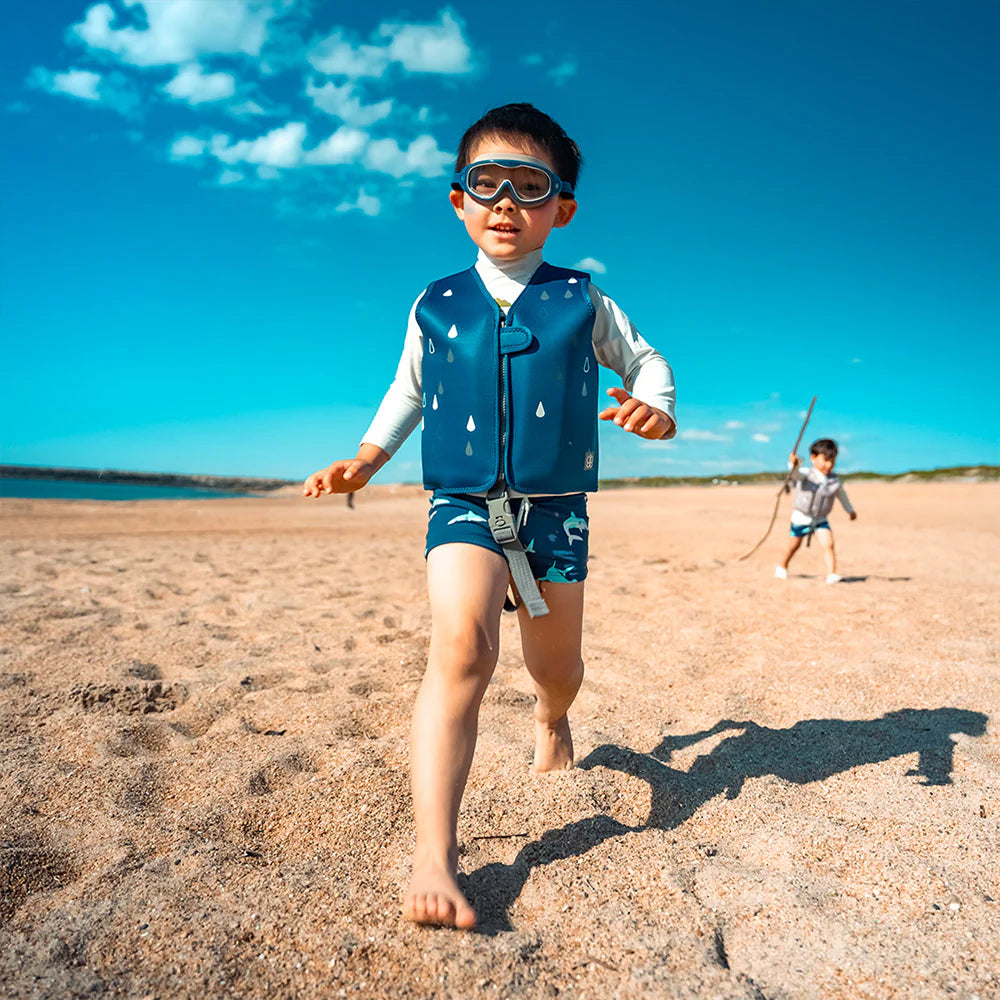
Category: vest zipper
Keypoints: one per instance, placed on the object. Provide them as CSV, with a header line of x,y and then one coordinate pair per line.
x,y
501,472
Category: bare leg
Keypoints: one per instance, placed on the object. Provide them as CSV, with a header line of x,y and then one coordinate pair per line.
x,y
551,647
466,584
793,547
825,539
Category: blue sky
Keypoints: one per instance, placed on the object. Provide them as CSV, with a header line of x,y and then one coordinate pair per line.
x,y
216,214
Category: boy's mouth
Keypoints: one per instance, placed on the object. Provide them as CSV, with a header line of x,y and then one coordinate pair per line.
x,y
504,227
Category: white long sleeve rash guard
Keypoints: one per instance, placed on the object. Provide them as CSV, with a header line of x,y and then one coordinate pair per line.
x,y
618,345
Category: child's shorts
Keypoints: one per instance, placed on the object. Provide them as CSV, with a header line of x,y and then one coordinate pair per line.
x,y
554,531
801,530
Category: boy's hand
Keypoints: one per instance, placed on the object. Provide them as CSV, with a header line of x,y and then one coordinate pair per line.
x,y
637,417
853,515
344,476
793,460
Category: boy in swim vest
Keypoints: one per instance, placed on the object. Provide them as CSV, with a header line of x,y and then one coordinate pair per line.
x,y
815,491
500,366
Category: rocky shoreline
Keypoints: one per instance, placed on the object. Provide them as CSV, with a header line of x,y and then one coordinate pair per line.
x,y
228,484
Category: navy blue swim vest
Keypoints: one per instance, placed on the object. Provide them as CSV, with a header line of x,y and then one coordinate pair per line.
x,y
516,397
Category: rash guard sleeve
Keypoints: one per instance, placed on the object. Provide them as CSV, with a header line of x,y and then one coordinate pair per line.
x,y
401,407
618,345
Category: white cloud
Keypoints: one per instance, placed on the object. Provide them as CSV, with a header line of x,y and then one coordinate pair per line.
x,y
109,90
693,434
734,425
345,146
336,56
591,264
186,147
192,85
422,157
365,202
342,103
561,73
855,361
532,59
230,177
74,82
178,31
762,438
429,48
247,108
281,147
418,48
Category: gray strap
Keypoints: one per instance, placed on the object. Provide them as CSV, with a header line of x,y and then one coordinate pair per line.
x,y
505,532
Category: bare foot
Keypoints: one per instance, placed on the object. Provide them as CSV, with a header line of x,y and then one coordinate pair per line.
x,y
434,897
553,745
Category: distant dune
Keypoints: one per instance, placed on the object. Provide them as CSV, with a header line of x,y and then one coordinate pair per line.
x,y
244,484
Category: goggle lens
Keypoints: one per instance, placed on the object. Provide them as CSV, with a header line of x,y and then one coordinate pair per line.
x,y
529,185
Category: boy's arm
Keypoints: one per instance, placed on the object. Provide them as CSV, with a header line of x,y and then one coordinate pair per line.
x,y
645,373
401,407
397,416
845,503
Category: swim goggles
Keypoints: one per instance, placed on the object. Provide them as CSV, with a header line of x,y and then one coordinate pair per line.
x,y
527,182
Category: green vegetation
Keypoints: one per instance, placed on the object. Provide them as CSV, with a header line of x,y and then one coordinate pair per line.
x,y
977,473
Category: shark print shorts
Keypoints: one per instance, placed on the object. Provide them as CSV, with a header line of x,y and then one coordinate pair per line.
x,y
553,530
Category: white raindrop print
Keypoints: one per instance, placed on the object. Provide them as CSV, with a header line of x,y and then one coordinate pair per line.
x,y
434,403
586,364
452,333
440,389
571,281
468,448
471,425
584,393
451,357
545,296
568,294
430,346
540,412
447,293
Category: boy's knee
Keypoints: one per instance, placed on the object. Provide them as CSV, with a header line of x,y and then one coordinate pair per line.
x,y
560,677
464,650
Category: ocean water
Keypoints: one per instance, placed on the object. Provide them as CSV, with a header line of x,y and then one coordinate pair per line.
x,y
69,489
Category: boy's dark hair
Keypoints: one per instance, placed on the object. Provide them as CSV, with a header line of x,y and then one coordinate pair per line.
x,y
826,447
524,121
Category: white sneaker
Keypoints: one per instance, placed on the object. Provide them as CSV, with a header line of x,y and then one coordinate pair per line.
x,y
833,578
780,573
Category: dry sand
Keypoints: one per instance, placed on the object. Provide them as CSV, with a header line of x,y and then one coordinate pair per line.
x,y
783,791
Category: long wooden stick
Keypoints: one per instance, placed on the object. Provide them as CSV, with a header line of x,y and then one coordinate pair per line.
x,y
784,486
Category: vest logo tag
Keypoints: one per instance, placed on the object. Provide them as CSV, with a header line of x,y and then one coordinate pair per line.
x,y
588,461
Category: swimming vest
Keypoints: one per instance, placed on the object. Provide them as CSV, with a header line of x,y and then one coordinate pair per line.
x,y
514,397
815,496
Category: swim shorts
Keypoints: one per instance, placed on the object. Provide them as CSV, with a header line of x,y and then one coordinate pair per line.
x,y
801,530
553,530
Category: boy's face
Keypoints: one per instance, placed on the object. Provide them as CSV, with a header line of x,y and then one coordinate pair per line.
x,y
506,230
824,464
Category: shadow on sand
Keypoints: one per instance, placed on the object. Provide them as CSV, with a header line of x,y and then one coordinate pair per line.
x,y
811,750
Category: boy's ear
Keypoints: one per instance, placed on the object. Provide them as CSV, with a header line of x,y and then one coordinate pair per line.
x,y
457,199
565,212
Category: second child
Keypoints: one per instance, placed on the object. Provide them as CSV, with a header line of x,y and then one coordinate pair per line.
x,y
815,490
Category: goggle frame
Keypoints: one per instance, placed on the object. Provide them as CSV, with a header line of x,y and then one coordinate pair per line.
x,y
557,186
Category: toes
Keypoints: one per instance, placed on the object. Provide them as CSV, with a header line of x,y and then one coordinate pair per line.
x,y
465,916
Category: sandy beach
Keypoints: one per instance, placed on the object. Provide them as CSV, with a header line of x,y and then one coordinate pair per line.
x,y
783,790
